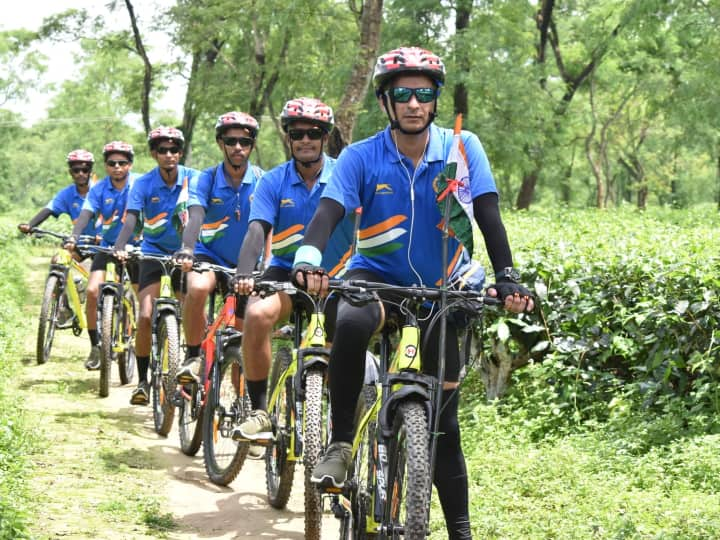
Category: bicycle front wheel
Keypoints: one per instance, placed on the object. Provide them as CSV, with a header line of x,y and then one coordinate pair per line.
x,y
408,490
164,370
315,440
227,406
126,357
279,468
48,318
190,420
108,341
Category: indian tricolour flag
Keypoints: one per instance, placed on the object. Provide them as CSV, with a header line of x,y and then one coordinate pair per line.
x,y
455,179
180,214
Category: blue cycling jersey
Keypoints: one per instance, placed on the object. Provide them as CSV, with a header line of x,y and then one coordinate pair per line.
x,y
226,212
158,203
400,236
283,200
69,201
107,204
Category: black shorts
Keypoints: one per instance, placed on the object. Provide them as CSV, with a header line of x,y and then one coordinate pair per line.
x,y
151,271
100,263
275,273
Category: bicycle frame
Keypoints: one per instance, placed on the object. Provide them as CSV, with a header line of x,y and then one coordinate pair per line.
x,y
115,285
61,268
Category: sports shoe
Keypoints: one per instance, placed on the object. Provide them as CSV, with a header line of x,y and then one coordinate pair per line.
x,y
93,360
189,372
255,451
141,394
257,427
333,466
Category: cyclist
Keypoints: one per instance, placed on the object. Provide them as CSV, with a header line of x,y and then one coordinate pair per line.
x,y
105,202
70,199
284,201
219,206
392,175
160,195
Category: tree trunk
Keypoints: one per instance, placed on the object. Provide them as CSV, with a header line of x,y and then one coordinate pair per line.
x,y
527,189
370,22
462,21
148,69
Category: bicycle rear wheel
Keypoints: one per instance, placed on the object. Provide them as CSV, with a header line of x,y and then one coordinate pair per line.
x,y
315,439
108,341
227,405
164,370
48,318
408,489
354,525
190,420
279,469
126,358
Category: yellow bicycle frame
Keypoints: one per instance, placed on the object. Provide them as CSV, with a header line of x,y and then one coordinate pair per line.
x,y
63,258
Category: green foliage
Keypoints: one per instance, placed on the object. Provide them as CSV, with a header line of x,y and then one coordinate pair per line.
x,y
630,302
16,440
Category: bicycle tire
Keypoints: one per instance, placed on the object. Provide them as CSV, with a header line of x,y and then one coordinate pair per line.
x,y
279,470
108,340
227,405
48,318
190,421
408,489
361,474
315,440
126,359
164,371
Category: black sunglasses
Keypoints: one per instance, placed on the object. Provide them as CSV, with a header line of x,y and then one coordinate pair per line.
x,y
401,94
162,150
233,141
297,134
119,162
77,170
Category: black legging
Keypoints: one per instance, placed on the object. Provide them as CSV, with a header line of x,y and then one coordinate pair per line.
x,y
353,329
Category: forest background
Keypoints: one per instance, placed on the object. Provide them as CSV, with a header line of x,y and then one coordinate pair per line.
x,y
600,120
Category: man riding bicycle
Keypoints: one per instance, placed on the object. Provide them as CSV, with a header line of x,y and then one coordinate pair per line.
x,y
393,176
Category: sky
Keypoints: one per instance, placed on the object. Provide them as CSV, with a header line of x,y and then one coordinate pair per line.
x,y
30,15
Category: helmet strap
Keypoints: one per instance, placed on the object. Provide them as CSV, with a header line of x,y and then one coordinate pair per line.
x,y
394,124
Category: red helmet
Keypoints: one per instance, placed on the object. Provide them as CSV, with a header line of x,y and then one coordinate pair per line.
x,y
308,109
118,147
164,133
236,119
80,156
407,60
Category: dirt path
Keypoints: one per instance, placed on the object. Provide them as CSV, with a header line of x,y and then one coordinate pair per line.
x,y
104,473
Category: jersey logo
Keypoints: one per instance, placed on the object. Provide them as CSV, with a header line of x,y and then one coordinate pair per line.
x,y
155,199
383,189
109,200
285,203
216,200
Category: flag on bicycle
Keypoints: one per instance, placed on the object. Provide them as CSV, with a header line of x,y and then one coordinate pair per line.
x,y
180,214
455,179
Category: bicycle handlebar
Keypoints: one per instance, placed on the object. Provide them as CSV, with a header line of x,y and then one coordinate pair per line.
x,y
412,292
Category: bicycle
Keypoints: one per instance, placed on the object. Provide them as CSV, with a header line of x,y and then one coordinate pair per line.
x,y
117,315
62,302
165,345
298,405
209,411
387,493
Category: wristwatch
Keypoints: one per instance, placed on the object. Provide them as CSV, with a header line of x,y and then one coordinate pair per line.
x,y
508,274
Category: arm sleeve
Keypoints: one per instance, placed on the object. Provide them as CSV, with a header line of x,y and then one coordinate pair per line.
x,y
192,230
329,212
487,215
41,216
82,220
252,246
127,229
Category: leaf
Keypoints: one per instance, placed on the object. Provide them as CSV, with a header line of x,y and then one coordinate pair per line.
x,y
681,307
503,331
